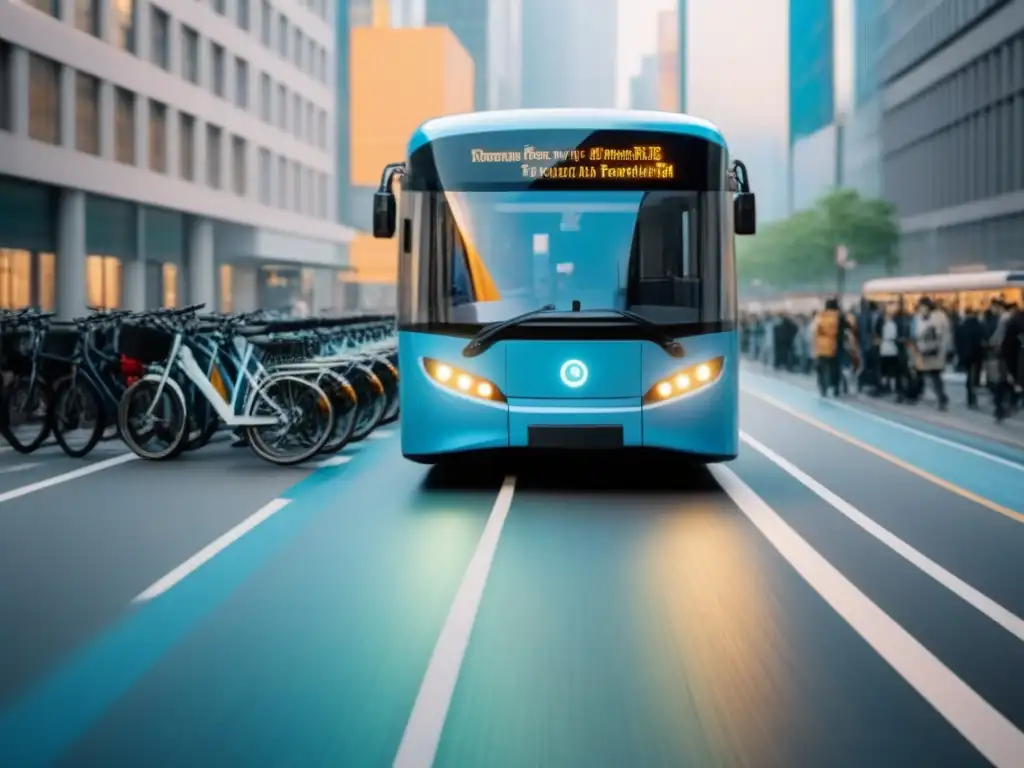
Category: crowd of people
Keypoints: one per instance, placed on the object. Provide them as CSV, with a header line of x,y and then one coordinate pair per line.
x,y
886,351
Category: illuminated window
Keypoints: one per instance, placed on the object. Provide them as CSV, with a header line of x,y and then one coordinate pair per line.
x,y
227,297
44,100
124,126
157,137
15,279
47,282
123,19
187,146
87,19
87,113
103,281
170,286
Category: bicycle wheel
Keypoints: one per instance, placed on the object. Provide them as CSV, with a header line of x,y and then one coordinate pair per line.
x,y
26,415
372,402
78,416
203,421
154,426
345,406
305,419
388,376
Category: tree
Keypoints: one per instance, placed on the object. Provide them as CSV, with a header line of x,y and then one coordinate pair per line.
x,y
801,250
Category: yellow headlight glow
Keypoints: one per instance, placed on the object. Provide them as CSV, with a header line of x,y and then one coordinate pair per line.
x,y
683,382
462,382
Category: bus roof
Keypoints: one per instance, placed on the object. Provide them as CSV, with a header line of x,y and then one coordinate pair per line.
x,y
952,282
583,119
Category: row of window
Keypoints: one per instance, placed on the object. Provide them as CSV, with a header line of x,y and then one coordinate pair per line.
x,y
296,187
994,243
992,77
915,37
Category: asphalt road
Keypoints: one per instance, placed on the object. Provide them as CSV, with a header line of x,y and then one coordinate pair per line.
x,y
847,593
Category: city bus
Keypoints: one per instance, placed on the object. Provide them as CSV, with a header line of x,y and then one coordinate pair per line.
x,y
567,283
959,291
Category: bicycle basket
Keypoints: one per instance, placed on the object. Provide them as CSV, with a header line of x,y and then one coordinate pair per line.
x,y
148,345
61,342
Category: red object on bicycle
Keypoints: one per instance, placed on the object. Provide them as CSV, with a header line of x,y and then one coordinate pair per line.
x,y
131,369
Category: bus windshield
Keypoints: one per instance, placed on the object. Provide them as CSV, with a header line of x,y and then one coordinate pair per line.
x,y
498,242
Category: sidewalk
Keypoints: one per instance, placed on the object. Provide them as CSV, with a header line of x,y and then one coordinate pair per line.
x,y
959,418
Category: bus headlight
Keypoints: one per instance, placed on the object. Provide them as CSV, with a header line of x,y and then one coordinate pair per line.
x,y
683,382
461,382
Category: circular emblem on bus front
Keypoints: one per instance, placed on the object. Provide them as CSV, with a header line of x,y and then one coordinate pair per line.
x,y
574,373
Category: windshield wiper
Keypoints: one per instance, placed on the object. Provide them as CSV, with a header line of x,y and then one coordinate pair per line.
x,y
486,338
654,332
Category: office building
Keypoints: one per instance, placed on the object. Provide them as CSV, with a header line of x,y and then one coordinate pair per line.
x,y
862,149
387,105
643,86
814,141
681,50
145,148
952,92
668,61
569,53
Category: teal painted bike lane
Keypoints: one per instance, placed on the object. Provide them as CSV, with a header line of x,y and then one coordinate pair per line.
x,y
303,643
994,476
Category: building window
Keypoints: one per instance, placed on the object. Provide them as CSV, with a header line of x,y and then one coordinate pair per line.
x,y
243,14
266,23
323,65
282,108
15,279
52,7
282,182
266,94
87,113
213,150
122,15
217,75
241,84
159,51
187,146
103,282
238,165
311,60
297,115
220,6
227,303
322,138
298,48
124,126
44,99
170,285
265,166
310,124
86,17
296,187
157,137
282,36
5,86
322,207
190,55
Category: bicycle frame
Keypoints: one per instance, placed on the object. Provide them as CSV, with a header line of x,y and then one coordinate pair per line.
x,y
181,358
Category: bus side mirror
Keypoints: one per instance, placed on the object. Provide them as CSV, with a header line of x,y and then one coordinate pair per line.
x,y
745,214
384,215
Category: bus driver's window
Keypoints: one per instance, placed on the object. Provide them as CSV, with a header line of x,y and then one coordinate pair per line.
x,y
462,292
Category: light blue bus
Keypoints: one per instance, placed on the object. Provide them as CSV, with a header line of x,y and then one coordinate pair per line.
x,y
567,282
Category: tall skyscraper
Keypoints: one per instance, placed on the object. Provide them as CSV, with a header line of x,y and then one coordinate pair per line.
x,y
952,87
569,53
643,87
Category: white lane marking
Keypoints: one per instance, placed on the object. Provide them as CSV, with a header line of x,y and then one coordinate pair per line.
x,y
997,613
426,722
19,468
916,432
333,461
977,720
66,477
211,550
381,434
